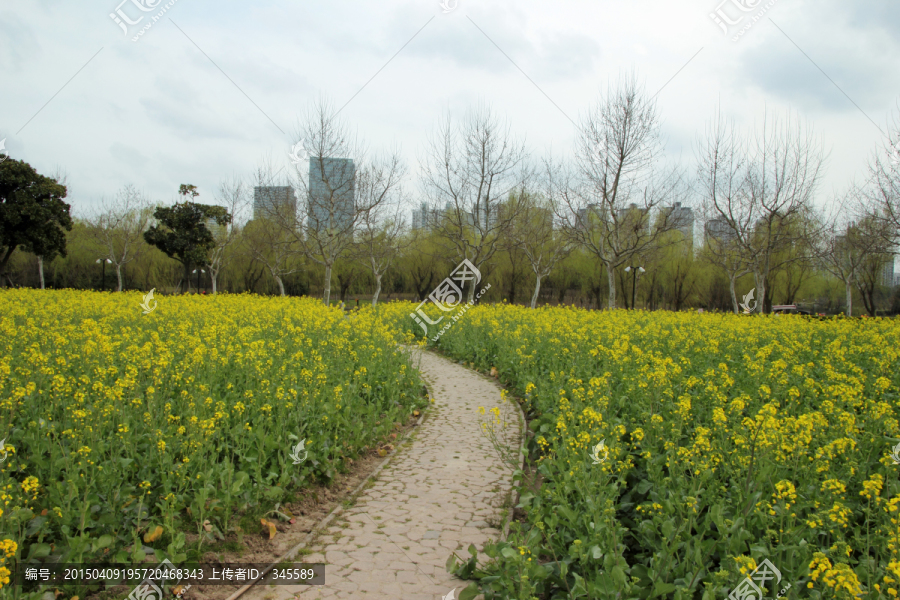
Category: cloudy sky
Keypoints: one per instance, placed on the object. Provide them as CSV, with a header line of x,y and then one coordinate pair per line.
x,y
214,88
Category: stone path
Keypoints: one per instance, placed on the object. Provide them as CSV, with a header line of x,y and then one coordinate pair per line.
x,y
439,493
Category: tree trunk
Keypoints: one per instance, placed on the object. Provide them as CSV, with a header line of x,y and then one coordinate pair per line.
x,y
624,288
377,290
251,279
214,277
849,297
119,276
867,293
327,284
41,270
761,287
537,290
612,286
423,289
4,276
734,302
512,287
345,286
280,284
187,278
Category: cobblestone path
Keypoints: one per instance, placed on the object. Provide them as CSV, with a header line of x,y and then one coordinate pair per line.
x,y
440,492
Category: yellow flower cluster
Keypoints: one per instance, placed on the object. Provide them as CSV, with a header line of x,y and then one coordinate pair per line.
x,y
839,577
8,548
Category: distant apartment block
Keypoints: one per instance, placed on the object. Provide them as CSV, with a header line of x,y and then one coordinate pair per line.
x,y
484,218
427,216
681,218
633,216
269,201
332,193
591,212
886,277
719,229
214,228
420,216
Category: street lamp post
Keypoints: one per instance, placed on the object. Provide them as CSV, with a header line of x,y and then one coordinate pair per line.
x,y
634,271
103,278
198,271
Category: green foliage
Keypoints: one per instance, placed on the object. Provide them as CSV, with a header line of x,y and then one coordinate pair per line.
x,y
32,213
182,233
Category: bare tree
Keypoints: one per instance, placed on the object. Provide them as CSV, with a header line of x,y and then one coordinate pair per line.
x,y
119,228
536,233
233,195
608,211
722,250
884,171
760,192
268,238
721,174
855,247
841,253
338,169
470,170
381,227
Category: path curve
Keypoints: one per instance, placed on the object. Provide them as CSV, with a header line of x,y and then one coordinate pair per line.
x,y
437,495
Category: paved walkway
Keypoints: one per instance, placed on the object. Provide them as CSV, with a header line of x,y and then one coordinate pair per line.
x,y
437,495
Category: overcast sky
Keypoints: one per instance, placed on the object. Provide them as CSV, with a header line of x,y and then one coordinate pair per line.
x,y
212,88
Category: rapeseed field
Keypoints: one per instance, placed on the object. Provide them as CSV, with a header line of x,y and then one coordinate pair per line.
x,y
123,431
674,452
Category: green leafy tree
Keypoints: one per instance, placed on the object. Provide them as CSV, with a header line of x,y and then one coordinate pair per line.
x,y
33,216
422,262
182,233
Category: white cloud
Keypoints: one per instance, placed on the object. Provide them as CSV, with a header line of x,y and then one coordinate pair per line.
x,y
158,113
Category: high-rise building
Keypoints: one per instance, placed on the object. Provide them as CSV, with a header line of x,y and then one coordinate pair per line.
x,y
424,216
886,277
633,216
681,218
483,218
429,216
719,229
214,228
332,193
592,211
420,216
269,201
